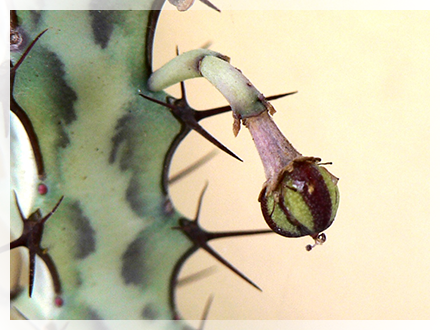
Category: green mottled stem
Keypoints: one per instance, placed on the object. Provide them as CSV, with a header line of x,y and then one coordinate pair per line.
x,y
274,149
182,67
245,100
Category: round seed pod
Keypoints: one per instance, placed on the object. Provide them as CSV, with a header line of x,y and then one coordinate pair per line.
x,y
302,201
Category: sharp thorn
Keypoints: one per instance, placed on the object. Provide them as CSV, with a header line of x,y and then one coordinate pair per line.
x,y
20,61
21,241
32,257
18,207
170,106
183,92
190,118
226,234
52,270
199,115
278,96
53,210
27,124
210,5
213,253
199,129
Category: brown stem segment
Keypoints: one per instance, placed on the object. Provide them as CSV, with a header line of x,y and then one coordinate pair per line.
x,y
274,149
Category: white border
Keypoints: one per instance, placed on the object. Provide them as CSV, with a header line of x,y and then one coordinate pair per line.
x,y
6,5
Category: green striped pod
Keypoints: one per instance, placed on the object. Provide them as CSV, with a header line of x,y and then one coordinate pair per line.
x,y
304,200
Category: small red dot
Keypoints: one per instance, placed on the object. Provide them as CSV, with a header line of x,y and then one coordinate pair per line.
x,y
59,301
42,189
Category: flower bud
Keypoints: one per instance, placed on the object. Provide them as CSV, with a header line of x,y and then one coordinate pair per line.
x,y
302,201
300,197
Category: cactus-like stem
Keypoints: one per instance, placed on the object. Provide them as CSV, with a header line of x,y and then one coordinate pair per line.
x,y
245,100
183,67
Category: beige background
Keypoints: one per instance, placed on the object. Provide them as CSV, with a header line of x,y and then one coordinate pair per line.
x,y
363,103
